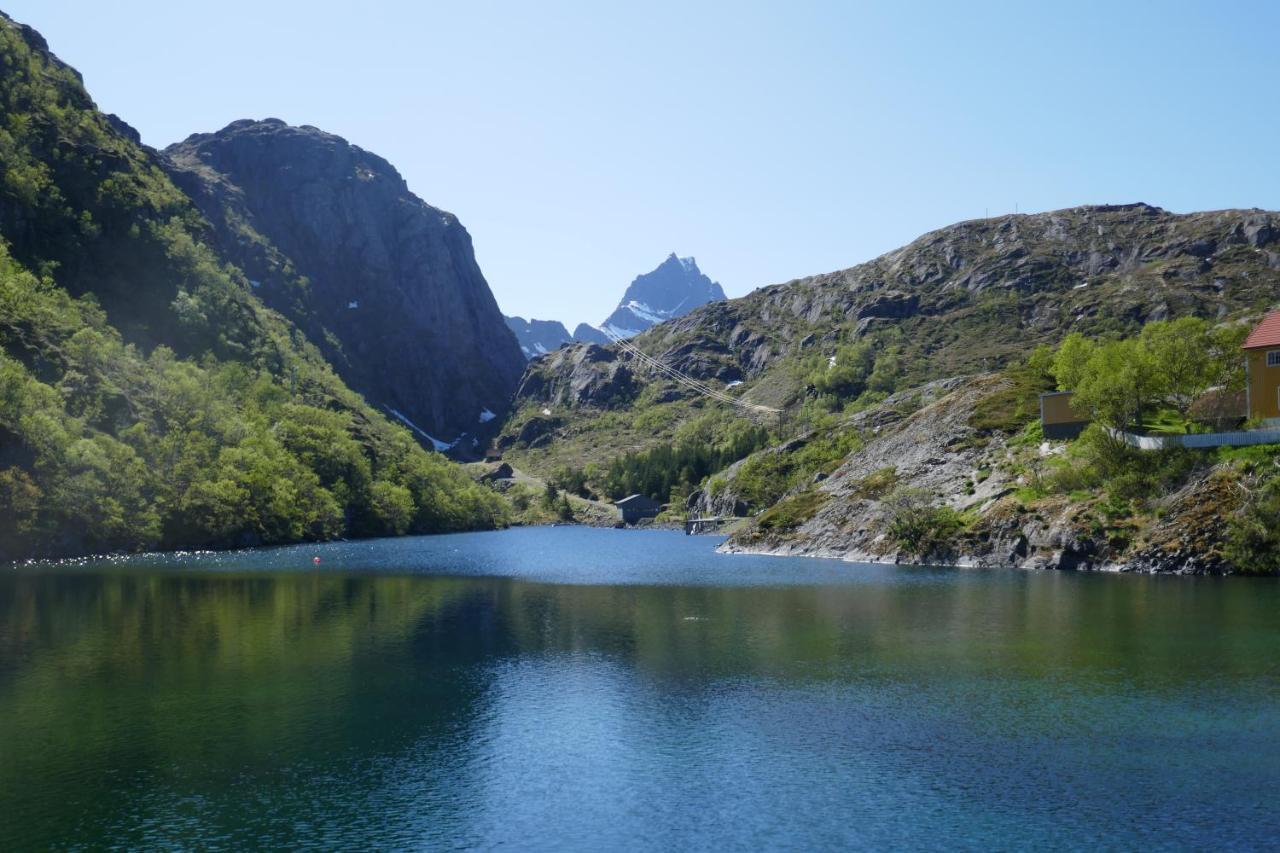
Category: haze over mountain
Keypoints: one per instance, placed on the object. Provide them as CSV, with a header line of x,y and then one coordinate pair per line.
x,y
538,337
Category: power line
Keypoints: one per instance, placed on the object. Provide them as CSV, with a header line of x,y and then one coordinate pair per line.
x,y
688,381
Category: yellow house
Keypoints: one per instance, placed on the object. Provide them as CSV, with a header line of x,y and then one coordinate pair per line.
x,y
1262,368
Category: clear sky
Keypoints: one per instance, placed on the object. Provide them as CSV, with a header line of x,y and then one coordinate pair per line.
x,y
580,143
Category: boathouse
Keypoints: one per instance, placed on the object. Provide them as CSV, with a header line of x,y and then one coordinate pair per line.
x,y
637,507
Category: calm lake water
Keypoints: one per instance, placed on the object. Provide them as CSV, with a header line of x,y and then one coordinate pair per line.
x,y
568,688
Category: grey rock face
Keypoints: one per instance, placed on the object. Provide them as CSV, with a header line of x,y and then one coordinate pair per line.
x,y
385,284
576,375
674,289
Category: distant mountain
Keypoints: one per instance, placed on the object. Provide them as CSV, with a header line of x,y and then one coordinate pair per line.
x,y
585,334
674,289
385,284
538,337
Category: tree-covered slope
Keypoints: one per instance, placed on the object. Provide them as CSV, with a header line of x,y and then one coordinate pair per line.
x,y
147,397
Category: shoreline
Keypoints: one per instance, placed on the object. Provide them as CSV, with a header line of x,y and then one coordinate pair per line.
x,y
726,547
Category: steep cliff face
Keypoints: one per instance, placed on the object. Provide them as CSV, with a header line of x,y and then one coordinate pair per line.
x,y
385,284
673,289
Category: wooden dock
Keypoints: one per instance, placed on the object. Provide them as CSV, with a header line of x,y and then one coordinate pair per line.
x,y
694,526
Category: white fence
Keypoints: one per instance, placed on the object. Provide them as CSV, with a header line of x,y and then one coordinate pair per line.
x,y
1239,438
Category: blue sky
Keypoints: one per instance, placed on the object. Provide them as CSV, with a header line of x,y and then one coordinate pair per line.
x,y
580,144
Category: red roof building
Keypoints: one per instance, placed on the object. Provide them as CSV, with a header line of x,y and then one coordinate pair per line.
x,y
1266,333
1262,366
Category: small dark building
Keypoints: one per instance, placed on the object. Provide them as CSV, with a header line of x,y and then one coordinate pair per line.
x,y
1058,419
637,507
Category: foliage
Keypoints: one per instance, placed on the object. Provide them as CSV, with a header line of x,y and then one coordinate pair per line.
x,y
918,525
791,512
701,451
147,398
875,485
1012,407
108,449
768,475
1169,362
1253,533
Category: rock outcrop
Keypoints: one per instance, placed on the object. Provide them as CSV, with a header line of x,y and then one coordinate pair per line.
x,y
386,285
577,374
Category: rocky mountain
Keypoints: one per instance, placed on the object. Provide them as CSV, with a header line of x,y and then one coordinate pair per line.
x,y
972,296
385,284
673,289
149,395
538,337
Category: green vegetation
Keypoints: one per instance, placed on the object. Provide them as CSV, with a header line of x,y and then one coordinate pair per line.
x,y
1011,408
860,373
108,449
703,448
1253,531
1169,363
919,526
791,512
875,485
147,398
766,476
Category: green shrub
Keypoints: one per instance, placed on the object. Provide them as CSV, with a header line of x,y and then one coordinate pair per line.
x,y
1253,532
791,512
920,527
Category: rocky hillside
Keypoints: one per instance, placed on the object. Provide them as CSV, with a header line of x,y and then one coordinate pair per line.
x,y
148,396
673,289
970,297
385,284
934,455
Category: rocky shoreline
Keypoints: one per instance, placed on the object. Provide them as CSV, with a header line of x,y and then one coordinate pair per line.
x,y
975,473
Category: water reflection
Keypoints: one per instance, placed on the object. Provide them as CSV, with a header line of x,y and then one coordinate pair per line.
x,y
152,707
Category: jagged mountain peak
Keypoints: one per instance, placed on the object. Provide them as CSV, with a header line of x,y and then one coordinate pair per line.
x,y
672,289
